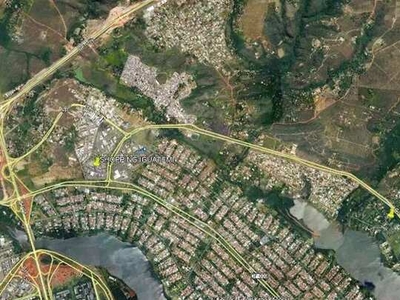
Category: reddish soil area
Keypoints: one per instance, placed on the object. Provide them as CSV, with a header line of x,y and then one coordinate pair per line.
x,y
63,275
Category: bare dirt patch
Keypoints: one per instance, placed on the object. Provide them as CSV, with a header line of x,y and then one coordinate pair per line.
x,y
252,20
57,173
63,275
322,103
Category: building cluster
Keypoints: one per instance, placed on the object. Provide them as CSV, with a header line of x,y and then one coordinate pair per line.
x,y
18,286
186,181
101,106
122,171
165,95
80,291
324,190
94,135
197,28
7,256
85,210
308,275
185,228
94,139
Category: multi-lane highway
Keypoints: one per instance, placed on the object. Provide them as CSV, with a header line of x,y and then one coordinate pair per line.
x,y
17,197
46,73
17,207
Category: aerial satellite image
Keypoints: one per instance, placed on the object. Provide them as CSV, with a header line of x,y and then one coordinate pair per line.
x,y
199,149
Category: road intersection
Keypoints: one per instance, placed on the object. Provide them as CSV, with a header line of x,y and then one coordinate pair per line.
x,y
7,171
109,183
16,199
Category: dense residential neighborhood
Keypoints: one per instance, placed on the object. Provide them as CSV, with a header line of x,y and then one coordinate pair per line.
x,y
199,149
166,95
185,256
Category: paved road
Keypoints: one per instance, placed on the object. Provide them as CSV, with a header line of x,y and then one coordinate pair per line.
x,y
46,73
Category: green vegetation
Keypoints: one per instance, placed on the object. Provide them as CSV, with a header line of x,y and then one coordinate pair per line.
x,y
25,123
95,9
9,19
44,162
117,289
78,74
389,152
263,87
279,85
201,250
26,178
45,54
371,97
394,241
9,221
126,201
116,58
272,198
20,57
274,202
207,147
274,27
7,217
70,138
355,201
61,233
104,73
111,86
362,212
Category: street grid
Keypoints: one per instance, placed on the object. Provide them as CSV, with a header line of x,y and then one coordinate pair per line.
x,y
17,200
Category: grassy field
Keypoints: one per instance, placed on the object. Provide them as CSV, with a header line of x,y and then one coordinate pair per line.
x,y
15,76
394,242
208,101
43,29
252,19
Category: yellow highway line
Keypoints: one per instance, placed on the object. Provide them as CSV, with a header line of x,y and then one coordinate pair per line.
x,y
217,237
298,160
90,274
235,141
50,275
31,239
12,273
170,207
28,230
115,126
256,147
314,165
95,288
116,150
44,74
60,185
31,296
4,108
195,129
25,222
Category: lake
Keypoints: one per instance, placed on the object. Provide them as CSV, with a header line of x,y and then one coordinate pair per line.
x,y
121,259
355,251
